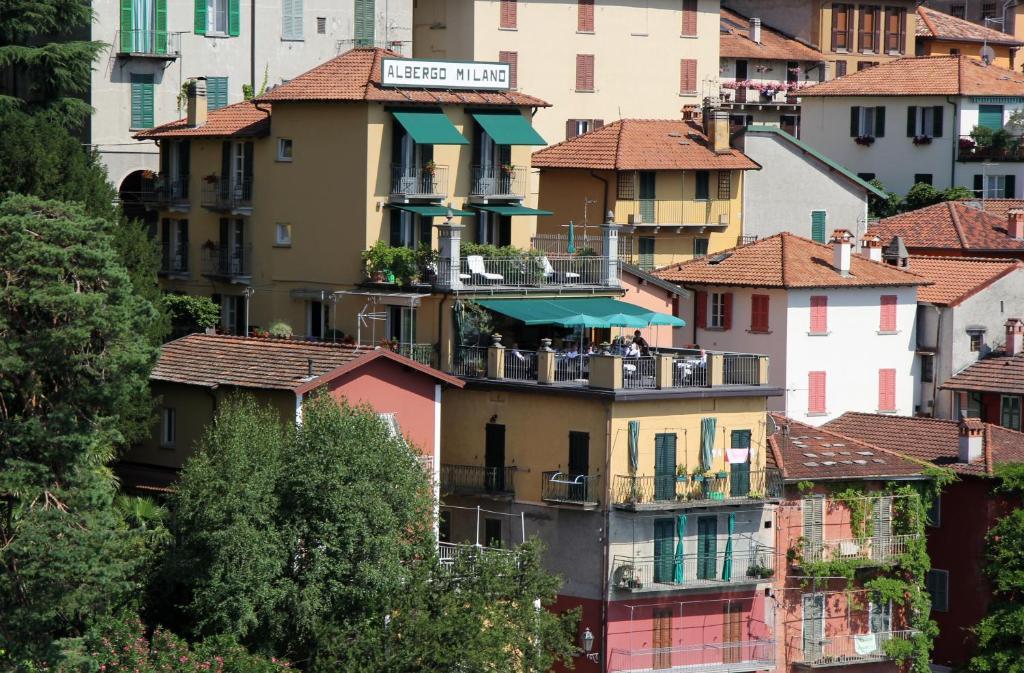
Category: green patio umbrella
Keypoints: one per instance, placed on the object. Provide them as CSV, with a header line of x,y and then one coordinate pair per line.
x,y
681,533
727,564
707,442
570,247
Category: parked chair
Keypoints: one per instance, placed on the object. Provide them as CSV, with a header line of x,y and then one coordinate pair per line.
x,y
477,268
549,271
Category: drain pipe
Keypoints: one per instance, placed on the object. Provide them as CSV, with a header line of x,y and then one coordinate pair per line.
x,y
605,542
955,143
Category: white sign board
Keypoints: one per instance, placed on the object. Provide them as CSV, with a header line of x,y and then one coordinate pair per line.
x,y
421,73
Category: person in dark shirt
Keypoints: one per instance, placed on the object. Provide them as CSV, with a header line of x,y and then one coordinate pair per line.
x,y
641,343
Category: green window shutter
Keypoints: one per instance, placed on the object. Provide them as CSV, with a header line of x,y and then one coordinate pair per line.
x,y
1010,188
142,101
990,116
911,121
664,466
200,27
161,27
664,549
216,92
364,23
127,21
707,547
234,18
818,219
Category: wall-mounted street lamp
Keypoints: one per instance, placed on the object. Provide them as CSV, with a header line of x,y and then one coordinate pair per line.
x,y
587,642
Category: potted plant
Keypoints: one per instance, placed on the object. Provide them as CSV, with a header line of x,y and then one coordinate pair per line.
x,y
922,140
697,475
281,330
722,474
864,141
681,473
210,179
508,169
378,259
758,571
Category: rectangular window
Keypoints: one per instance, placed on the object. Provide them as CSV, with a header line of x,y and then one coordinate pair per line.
x,y
724,185
291,19
584,72
168,428
284,149
321,25
887,313
739,472
922,178
969,404
864,65
721,310
895,29
512,58
927,368
924,121
868,122
509,14
819,314
887,390
365,23
1009,412
689,18
142,101
283,234
492,532
959,11
935,512
994,186
819,220
813,626
815,392
702,188
990,116
217,17
700,247
585,16
688,76
645,249
879,615
577,127
867,35
759,313
977,341
842,27
936,583
216,92
626,186
840,68
988,11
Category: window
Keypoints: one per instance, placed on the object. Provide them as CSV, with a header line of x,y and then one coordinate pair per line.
x,y
316,319
816,392
721,310
934,516
842,28
759,313
174,246
321,25
969,404
291,19
512,58
886,390
688,76
812,626
168,428
142,101
216,92
509,14
217,16
283,234
990,116
867,34
840,68
577,127
895,29
988,11
864,65
626,186
927,368
867,122
1009,412
365,23
936,583
959,11
887,313
724,184
585,16
922,178
645,250
700,247
819,314
689,18
584,72
954,52
977,341
702,189
866,177
232,314
284,149
879,614
995,186
819,219
924,121
492,532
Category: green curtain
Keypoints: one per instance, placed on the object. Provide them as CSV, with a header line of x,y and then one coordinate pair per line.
x,y
634,445
570,247
727,564
707,442
677,574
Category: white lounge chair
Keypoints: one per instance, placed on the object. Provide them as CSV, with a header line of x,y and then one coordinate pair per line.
x,y
477,268
549,270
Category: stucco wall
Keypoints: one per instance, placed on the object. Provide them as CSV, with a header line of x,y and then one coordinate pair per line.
x,y
652,297
931,47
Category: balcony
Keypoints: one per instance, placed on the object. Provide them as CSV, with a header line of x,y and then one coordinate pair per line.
x,y
876,550
648,493
165,192
449,552
500,183
233,196
1002,147
478,480
428,182
570,489
528,271
759,96
174,261
155,44
657,213
639,574
851,649
230,263
425,354
731,657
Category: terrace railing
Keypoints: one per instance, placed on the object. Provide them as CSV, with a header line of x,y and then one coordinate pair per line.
x,y
728,657
654,492
668,571
477,479
851,649
511,182
422,182
570,489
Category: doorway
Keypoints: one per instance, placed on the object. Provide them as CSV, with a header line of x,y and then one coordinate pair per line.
x,y
494,457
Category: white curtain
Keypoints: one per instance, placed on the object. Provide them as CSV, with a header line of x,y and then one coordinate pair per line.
x,y
144,25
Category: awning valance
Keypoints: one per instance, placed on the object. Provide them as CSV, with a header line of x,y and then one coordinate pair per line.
x,y
430,127
431,210
509,128
584,312
513,210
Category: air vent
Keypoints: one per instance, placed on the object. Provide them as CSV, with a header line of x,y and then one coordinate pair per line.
x,y
811,464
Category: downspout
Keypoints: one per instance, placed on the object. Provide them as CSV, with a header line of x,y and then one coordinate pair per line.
x,y
252,46
603,665
935,374
440,332
604,197
956,141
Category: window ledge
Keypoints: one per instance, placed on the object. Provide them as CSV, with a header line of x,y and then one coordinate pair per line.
x,y
282,245
506,28
167,447
639,34
585,32
688,37
888,412
293,39
814,414
818,334
133,129
759,331
715,329
887,332
585,90
687,93
282,160
218,36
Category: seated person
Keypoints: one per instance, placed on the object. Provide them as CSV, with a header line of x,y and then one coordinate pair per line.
x,y
514,352
632,350
570,350
641,343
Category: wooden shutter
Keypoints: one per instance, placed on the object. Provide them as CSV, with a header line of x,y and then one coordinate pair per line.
x,y
365,23
813,524
570,129
819,314
978,185
887,320
759,312
291,19
200,27
880,121
596,124
854,121
816,392
584,72
911,121
585,16
234,18
1010,186
509,14
727,310
937,121
512,58
886,389
142,101
689,18
127,25
160,41
688,75
818,223
700,309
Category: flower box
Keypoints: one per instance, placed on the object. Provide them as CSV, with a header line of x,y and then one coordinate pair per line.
x,y
864,141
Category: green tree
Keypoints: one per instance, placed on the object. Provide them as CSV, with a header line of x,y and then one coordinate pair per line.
x,y
190,313
887,207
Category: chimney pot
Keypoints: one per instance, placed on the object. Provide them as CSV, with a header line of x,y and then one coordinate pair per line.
x,y
309,367
972,439
1014,336
871,247
841,251
1015,224
716,126
755,30
196,102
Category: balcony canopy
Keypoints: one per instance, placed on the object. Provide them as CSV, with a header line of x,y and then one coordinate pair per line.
x,y
430,127
508,128
514,210
433,210
587,312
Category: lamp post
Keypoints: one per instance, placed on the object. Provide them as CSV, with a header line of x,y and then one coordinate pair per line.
x,y
587,642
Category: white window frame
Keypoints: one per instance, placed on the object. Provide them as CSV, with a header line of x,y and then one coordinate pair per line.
x,y
716,311
924,121
993,186
217,11
285,148
283,235
582,126
168,428
866,122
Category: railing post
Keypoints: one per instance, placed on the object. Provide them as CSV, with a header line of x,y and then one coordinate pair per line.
x,y
605,369
762,370
496,358
449,240
663,371
610,239
545,362
716,367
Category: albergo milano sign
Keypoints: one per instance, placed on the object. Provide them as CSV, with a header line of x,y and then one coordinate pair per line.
x,y
410,72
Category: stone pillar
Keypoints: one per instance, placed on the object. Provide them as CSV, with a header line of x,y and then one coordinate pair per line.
x,y
449,239
496,358
610,241
716,367
762,370
545,363
663,371
605,370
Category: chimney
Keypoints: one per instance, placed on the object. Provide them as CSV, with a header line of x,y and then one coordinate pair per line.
x,y
1015,224
1014,336
871,247
196,102
896,253
309,367
972,439
841,250
716,127
755,30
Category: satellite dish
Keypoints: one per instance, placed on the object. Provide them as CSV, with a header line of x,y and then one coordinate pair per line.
x,y
772,427
988,54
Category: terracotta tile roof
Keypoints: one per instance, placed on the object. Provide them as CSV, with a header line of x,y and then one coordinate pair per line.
x,y
998,373
999,207
787,261
941,26
641,144
355,76
954,279
935,440
808,453
948,225
280,364
239,120
735,42
925,76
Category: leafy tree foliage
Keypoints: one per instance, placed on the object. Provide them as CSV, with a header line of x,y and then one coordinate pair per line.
x,y
190,313
919,196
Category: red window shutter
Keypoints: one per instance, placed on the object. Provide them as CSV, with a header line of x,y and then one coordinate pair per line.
x,y
584,72
700,309
887,322
816,392
687,75
759,313
690,18
727,310
512,58
585,18
819,315
887,390
508,14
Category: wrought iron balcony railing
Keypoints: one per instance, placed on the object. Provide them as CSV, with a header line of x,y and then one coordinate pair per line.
x,y
511,182
668,571
174,260
226,194
477,479
666,492
728,657
231,262
421,182
148,43
570,489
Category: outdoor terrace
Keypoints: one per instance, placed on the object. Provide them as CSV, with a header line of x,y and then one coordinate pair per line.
x,y
850,649
671,572
653,493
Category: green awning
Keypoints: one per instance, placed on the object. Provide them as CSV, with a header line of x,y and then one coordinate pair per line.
x,y
586,312
513,210
430,127
431,210
510,128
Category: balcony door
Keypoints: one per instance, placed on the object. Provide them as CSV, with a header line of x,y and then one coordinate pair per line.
x,y
579,462
232,246
236,171
645,250
664,466
646,196
664,549
409,158
494,457
144,26
732,633
661,638
813,625
707,547
488,157
739,473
